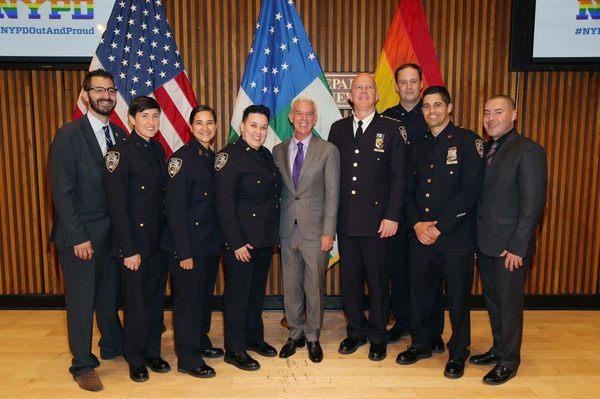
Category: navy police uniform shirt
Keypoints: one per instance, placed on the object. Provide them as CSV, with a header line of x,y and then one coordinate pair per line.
x,y
413,122
247,192
192,225
134,178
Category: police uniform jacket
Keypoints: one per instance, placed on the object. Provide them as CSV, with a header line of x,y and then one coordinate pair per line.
x,y
372,175
247,191
444,184
192,225
412,121
134,179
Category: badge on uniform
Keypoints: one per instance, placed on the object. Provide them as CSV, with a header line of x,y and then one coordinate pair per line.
x,y
221,160
174,166
112,160
404,134
379,143
452,157
479,146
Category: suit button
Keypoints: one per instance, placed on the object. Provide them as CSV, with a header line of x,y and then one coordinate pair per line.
x,y
355,164
141,224
258,182
426,209
427,195
353,192
428,180
356,151
353,178
143,187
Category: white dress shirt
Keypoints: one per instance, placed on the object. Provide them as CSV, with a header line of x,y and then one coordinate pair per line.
x,y
98,128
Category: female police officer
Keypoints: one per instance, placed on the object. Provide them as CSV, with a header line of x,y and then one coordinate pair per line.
x,y
193,241
247,189
134,179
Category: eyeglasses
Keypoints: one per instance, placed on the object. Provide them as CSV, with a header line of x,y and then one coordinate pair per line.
x,y
101,90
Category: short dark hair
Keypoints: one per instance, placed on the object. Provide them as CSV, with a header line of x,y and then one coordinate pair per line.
x,y
142,103
441,90
256,109
87,81
506,98
202,108
406,66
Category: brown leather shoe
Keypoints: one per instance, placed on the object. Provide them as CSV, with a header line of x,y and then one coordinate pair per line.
x,y
89,381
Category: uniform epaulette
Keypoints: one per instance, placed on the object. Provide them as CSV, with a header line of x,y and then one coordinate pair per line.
x,y
389,117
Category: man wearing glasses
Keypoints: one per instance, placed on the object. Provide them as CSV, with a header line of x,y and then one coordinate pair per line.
x,y
82,229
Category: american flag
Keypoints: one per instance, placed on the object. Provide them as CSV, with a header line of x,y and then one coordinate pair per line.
x,y
137,47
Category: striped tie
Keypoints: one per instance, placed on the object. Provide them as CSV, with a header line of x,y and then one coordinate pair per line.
x,y
109,142
490,154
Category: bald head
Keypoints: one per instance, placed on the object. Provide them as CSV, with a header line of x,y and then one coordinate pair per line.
x,y
363,94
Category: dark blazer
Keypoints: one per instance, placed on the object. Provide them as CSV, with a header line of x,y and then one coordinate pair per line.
x,y
247,191
76,168
372,175
513,198
192,225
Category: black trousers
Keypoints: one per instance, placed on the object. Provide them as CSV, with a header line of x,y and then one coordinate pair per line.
x,y
428,268
365,259
503,294
245,284
192,299
91,285
400,291
143,308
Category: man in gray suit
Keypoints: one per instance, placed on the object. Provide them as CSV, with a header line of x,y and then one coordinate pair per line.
x,y
311,174
512,201
82,229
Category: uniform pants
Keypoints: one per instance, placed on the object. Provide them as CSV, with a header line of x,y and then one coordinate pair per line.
x,y
428,268
365,259
304,266
503,293
192,299
91,285
245,284
143,305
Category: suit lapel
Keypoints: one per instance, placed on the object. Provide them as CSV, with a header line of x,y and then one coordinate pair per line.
x,y
286,162
489,171
90,138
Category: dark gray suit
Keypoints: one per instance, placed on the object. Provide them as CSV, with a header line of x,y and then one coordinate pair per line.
x,y
81,214
510,207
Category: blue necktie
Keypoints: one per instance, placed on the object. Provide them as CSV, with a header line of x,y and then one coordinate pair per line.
x,y
298,162
109,142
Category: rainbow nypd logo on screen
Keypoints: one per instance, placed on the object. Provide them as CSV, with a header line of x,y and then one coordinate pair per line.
x,y
589,9
56,9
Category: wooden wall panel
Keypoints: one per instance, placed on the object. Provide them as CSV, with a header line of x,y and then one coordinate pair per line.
x,y
561,110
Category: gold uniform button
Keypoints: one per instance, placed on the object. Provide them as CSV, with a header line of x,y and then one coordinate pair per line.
x,y
254,215
205,194
428,180
353,192
143,187
451,172
258,182
426,209
376,202
356,151
141,224
355,164
353,178
197,223
431,166
427,195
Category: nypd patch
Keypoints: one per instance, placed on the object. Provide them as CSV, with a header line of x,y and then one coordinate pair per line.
x,y
479,147
112,160
221,160
174,166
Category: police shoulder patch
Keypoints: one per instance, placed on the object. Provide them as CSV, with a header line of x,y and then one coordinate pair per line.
x,y
404,134
479,147
174,166
221,160
111,160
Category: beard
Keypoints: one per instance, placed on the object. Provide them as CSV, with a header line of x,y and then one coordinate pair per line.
x,y
103,109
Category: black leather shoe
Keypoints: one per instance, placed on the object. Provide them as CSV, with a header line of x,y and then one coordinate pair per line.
x,y
138,374
212,353
158,365
454,368
263,349
109,356
397,333
484,359
289,348
499,375
200,372
437,345
350,345
377,352
315,353
412,355
241,360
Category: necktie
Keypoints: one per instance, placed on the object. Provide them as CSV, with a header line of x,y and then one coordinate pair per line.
x,y
359,132
109,142
298,162
490,155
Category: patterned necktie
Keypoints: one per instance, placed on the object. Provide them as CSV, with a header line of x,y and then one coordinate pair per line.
x,y
298,162
490,154
109,142
359,132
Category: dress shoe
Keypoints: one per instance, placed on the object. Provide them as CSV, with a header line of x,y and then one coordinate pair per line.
x,y
212,353
350,345
397,333
138,374
454,368
377,352
289,348
263,349
484,359
109,356
412,355
499,375
158,365
200,372
89,380
315,353
438,345
241,360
